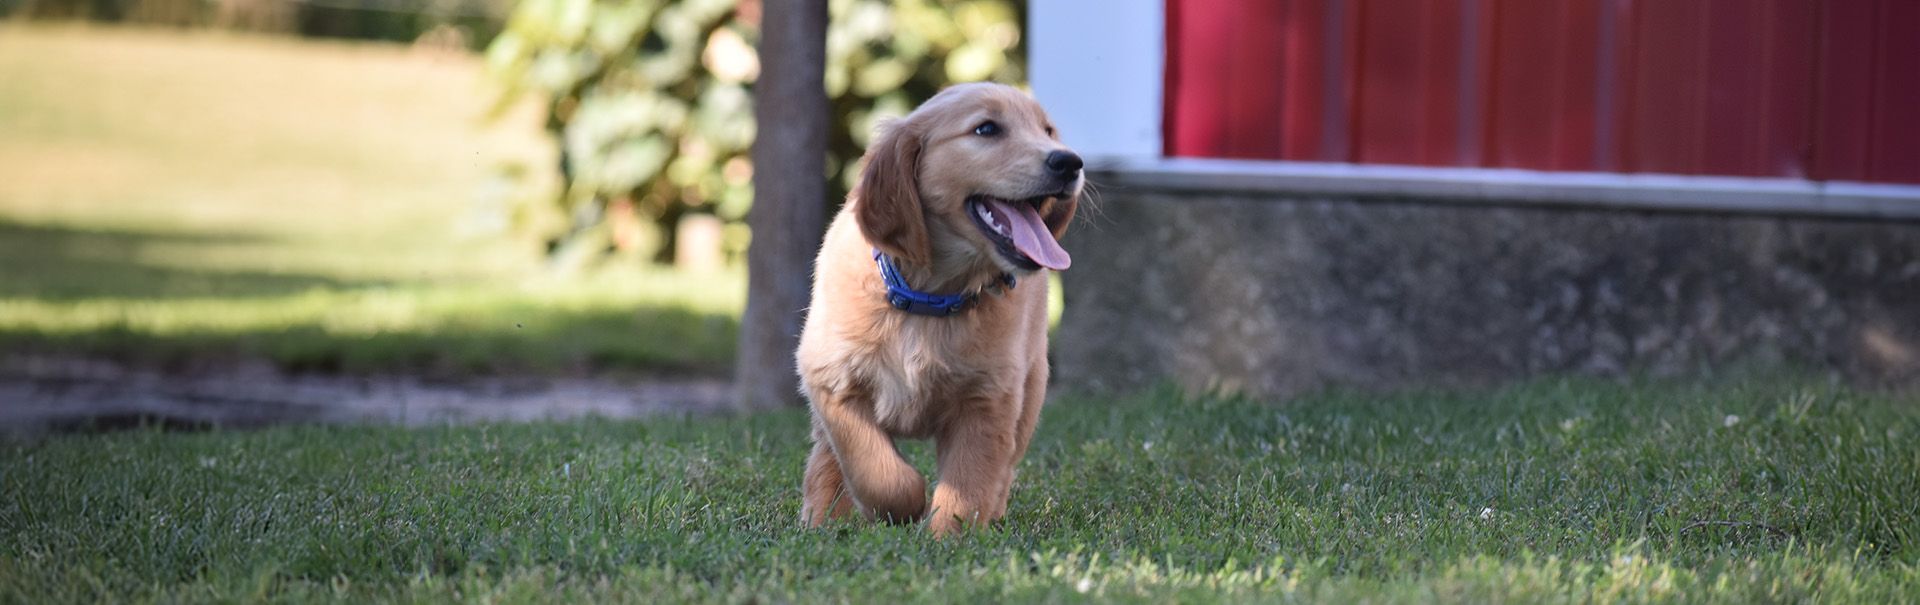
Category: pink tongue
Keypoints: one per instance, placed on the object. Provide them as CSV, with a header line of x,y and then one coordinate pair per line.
x,y
1031,237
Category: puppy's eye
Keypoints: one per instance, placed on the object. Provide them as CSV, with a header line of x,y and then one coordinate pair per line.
x,y
1049,130
987,128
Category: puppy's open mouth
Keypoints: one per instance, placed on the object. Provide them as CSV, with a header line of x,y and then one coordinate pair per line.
x,y
1018,232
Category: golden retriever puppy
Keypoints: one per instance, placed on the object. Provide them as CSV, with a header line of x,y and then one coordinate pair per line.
x,y
929,315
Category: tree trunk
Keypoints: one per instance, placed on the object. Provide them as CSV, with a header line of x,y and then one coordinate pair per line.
x,y
789,198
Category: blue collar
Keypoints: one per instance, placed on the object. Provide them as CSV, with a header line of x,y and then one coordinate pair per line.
x,y
905,298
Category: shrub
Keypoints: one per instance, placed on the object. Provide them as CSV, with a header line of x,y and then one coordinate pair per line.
x,y
651,103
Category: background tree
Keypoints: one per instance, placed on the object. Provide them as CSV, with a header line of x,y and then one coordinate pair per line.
x,y
788,216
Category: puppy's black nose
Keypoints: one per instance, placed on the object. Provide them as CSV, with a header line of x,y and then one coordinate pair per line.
x,y
1063,162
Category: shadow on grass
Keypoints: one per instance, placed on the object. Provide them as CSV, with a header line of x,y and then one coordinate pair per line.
x,y
651,340
644,340
97,294
53,263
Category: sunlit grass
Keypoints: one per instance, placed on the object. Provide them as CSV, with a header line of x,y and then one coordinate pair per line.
x,y
1569,492
170,196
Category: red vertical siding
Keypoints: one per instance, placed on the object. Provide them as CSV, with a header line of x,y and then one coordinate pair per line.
x,y
1541,96
1668,67
1304,72
1732,119
1224,78
1408,102
1787,118
1719,87
1894,154
1844,105
1344,77
1824,89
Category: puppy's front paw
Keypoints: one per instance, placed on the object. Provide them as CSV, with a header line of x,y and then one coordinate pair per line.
x,y
942,523
900,498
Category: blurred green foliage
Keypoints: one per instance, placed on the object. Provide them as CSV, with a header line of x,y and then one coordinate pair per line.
x,y
651,100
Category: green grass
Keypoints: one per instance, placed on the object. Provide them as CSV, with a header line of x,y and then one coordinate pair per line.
x,y
1553,491
177,197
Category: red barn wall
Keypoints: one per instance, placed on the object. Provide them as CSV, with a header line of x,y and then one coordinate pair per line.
x,y
1816,89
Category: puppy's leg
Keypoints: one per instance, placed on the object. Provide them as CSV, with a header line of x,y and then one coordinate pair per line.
x,y
1034,396
976,453
824,492
883,485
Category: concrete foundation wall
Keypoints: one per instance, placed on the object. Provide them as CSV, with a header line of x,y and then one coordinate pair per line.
x,y
1276,293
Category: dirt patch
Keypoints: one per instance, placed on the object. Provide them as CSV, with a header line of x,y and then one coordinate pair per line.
x,y
47,394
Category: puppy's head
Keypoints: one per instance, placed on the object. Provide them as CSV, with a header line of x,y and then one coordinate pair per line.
x,y
976,171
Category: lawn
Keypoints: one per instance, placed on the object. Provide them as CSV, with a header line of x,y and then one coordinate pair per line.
x,y
174,198
1759,491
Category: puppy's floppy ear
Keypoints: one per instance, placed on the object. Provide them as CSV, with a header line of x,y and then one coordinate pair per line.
x,y
887,202
1061,214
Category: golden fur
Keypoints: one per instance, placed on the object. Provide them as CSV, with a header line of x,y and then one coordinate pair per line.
x,y
973,382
